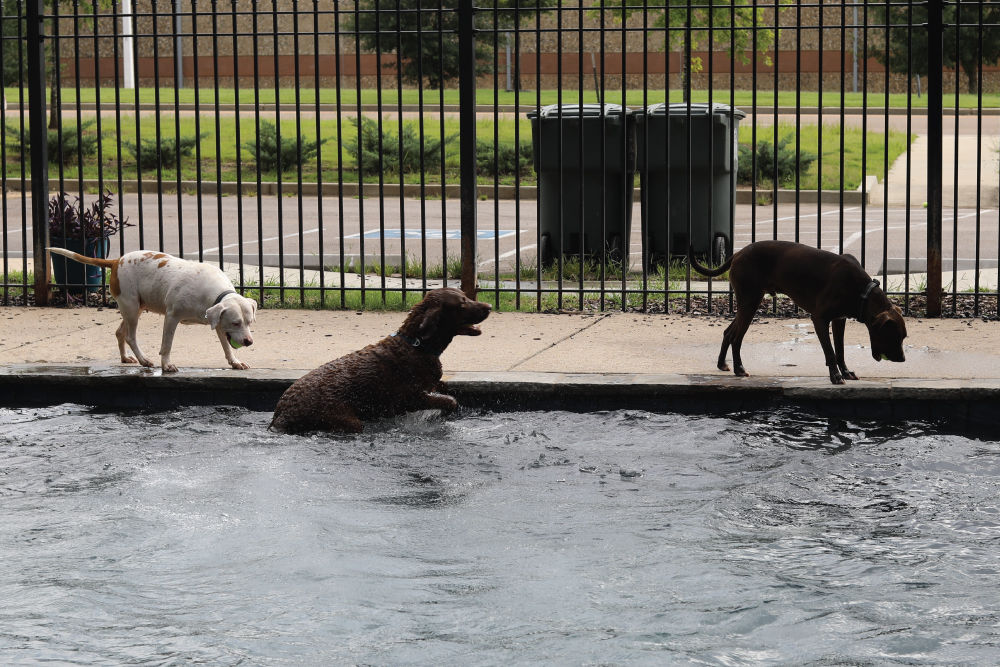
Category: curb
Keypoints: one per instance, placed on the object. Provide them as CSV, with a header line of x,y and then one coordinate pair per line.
x,y
417,191
962,402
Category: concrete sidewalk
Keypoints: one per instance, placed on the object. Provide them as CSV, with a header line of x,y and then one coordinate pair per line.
x,y
605,354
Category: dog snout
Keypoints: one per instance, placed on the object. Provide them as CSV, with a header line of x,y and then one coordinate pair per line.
x,y
248,341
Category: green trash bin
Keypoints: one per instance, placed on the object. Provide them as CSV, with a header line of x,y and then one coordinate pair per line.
x,y
584,191
664,177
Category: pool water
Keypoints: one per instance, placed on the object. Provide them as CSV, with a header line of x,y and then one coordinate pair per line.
x,y
496,538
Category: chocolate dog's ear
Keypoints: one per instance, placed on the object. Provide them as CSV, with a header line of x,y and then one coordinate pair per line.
x,y
430,322
880,319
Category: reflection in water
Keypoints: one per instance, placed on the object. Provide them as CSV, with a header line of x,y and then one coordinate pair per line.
x,y
613,537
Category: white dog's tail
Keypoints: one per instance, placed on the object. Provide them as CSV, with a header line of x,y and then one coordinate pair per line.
x,y
83,259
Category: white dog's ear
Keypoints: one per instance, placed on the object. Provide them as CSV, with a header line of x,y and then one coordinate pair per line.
x,y
253,311
214,314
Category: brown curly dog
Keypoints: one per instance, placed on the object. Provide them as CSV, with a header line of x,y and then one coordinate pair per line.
x,y
398,374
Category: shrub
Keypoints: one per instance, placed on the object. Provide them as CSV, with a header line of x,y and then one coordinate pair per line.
x,y
767,157
504,161
163,154
396,154
63,146
289,155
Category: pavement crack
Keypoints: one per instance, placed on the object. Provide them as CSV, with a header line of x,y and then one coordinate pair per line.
x,y
561,340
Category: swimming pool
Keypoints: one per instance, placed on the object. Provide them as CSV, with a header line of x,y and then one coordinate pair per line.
x,y
493,538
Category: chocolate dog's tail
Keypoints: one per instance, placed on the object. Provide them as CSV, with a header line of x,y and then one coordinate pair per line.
x,y
83,259
704,270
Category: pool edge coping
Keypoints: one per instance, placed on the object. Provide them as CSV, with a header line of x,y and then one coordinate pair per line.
x,y
96,385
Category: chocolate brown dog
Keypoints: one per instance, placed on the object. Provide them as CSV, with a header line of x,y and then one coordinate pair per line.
x,y
398,374
829,287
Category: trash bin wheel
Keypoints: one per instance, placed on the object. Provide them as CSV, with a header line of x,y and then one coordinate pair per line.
x,y
719,250
545,249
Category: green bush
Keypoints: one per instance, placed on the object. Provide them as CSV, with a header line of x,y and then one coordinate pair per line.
x,y
63,146
292,151
767,160
404,153
504,161
163,155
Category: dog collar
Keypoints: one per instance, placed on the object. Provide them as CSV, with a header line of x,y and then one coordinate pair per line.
x,y
864,299
223,296
415,342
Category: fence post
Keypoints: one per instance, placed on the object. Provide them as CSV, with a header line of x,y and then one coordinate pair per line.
x,y
467,142
38,135
935,138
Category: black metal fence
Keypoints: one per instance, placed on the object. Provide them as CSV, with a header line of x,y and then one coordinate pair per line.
x,y
551,154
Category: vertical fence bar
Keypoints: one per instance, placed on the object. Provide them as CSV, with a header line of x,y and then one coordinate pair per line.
x,y
979,157
196,75
423,164
360,159
279,200
3,154
935,95
955,174
467,141
399,133
39,149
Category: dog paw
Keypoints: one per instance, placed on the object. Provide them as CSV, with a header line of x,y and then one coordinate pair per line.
x,y
849,375
147,363
741,372
239,366
129,360
837,379
170,368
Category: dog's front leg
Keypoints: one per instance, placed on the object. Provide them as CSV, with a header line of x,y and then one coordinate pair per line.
x,y
838,347
170,323
434,400
230,357
823,333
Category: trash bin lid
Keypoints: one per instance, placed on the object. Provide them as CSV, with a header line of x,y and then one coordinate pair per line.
x,y
586,110
697,109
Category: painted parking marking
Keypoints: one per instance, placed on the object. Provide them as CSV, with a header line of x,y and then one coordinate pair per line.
x,y
433,234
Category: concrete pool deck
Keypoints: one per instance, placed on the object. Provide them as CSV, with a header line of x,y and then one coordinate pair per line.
x,y
600,359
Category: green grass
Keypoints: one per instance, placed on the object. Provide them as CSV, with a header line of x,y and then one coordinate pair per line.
x,y
274,297
830,100
853,138
226,159
413,269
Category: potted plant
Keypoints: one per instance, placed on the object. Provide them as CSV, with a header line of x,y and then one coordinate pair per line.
x,y
86,231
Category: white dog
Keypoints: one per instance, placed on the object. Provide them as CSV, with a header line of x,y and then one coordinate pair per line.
x,y
185,292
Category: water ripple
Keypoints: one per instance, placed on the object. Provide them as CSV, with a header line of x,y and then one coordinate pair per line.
x,y
196,535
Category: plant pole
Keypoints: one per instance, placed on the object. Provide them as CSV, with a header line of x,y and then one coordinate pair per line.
x,y
39,150
467,142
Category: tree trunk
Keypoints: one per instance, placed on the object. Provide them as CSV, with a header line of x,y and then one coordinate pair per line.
x,y
53,106
53,80
685,75
972,74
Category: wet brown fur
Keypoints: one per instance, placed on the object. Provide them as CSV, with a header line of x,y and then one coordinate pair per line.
x,y
384,379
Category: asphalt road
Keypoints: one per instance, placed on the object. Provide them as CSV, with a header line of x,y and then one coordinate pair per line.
x,y
306,234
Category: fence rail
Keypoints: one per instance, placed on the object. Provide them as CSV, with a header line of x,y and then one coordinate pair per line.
x,y
549,154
